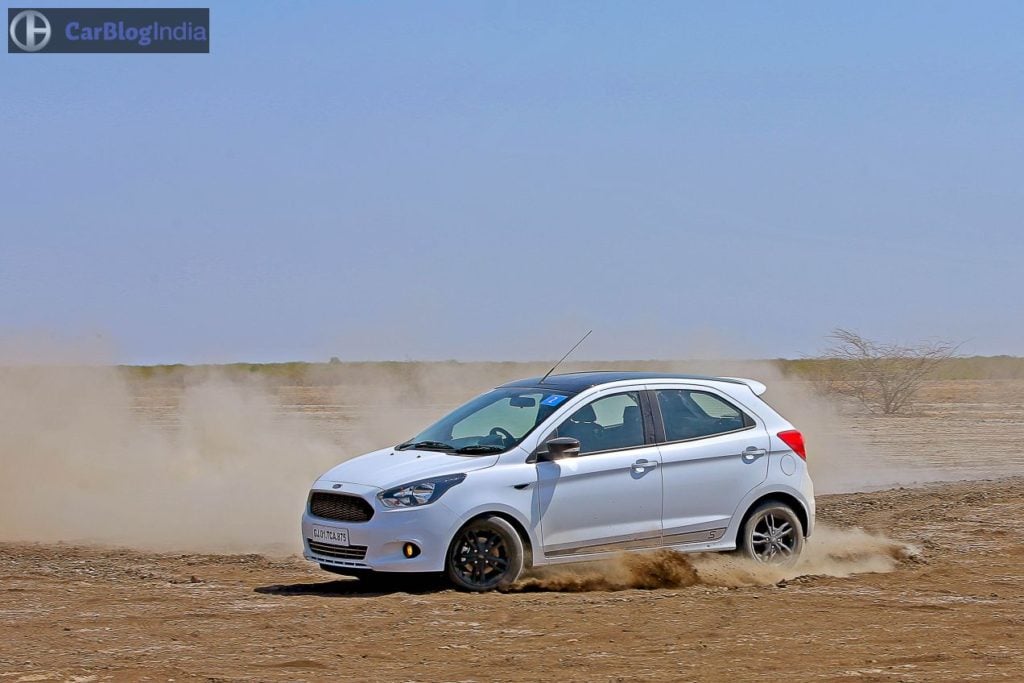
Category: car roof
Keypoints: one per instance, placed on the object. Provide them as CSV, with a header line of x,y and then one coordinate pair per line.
x,y
575,382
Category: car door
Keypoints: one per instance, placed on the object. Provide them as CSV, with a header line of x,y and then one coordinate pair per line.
x,y
609,497
713,453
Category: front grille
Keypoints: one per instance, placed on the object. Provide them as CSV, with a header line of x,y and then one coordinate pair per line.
x,y
352,552
341,507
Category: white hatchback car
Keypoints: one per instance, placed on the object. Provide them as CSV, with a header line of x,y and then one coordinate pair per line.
x,y
569,468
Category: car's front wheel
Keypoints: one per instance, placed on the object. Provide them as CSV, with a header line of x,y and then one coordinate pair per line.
x,y
772,534
486,554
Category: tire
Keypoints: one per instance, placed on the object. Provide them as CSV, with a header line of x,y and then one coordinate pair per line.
x,y
772,534
486,554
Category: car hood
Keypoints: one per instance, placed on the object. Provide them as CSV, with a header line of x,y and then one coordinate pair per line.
x,y
388,468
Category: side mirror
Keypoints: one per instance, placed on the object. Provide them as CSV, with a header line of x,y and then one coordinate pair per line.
x,y
560,447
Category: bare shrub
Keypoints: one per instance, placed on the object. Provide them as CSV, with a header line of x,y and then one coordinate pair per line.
x,y
884,378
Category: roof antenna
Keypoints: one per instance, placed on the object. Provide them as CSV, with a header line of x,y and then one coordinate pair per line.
x,y
564,357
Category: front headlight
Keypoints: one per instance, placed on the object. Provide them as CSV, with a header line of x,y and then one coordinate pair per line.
x,y
422,492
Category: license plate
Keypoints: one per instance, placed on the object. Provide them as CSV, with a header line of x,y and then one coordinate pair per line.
x,y
330,535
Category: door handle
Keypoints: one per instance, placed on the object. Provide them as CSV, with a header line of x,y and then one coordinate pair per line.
x,y
752,453
641,465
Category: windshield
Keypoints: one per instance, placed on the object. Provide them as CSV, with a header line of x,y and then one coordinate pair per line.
x,y
491,423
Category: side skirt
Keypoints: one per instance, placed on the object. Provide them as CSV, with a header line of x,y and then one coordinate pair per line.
x,y
691,541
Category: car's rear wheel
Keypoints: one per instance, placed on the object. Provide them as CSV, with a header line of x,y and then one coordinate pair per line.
x,y
772,534
486,554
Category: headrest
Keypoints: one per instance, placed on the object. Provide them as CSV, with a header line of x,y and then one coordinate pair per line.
x,y
630,415
672,403
584,414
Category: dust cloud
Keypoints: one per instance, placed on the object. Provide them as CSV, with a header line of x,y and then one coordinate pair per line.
x,y
221,462
829,552
83,462
209,462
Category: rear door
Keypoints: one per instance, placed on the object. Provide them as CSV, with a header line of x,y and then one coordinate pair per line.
x,y
608,498
713,453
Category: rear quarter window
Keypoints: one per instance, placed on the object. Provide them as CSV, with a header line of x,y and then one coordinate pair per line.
x,y
714,406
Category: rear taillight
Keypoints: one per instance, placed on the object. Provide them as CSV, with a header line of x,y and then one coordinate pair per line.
x,y
794,440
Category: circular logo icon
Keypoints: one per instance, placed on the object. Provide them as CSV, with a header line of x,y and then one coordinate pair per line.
x,y
37,30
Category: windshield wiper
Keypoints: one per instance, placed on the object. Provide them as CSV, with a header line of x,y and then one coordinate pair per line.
x,y
425,446
480,448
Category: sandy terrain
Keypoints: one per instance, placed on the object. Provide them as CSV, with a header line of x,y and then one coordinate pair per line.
x,y
954,613
951,610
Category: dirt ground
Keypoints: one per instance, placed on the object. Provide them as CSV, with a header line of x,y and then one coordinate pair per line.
x,y
953,611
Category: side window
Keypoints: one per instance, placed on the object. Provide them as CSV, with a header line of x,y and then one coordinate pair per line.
x,y
712,406
609,423
695,414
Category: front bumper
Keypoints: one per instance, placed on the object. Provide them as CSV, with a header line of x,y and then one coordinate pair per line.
x,y
430,527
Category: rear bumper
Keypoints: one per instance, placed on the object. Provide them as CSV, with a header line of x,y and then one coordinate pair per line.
x,y
808,491
377,545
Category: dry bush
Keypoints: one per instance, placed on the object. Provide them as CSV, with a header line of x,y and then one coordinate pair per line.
x,y
884,378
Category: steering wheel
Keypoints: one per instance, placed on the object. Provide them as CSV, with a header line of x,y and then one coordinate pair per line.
x,y
502,432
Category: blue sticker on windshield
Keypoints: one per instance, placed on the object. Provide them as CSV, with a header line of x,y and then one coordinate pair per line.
x,y
553,400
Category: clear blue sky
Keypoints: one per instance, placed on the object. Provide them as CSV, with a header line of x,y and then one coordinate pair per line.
x,y
490,179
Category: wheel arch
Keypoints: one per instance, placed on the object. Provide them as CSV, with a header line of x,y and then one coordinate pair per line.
x,y
518,524
781,497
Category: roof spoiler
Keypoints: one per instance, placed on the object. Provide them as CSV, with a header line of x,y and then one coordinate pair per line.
x,y
757,387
